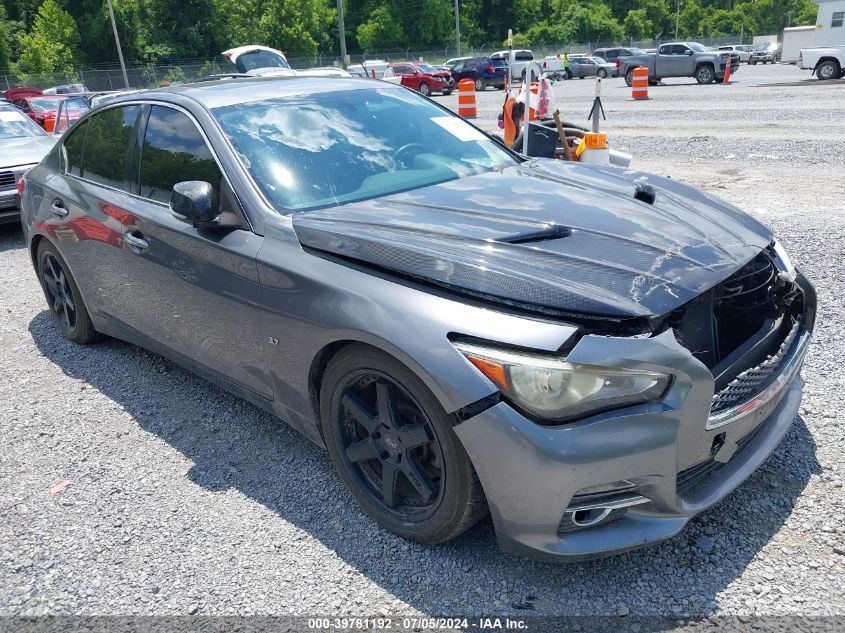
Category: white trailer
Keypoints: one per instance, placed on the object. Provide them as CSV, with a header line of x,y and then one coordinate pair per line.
x,y
796,38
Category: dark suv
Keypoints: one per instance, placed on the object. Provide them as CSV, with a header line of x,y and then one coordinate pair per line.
x,y
484,71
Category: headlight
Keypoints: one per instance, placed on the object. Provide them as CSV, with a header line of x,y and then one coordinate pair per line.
x,y
557,390
784,263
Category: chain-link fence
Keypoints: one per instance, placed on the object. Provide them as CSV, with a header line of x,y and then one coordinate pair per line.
x,y
103,77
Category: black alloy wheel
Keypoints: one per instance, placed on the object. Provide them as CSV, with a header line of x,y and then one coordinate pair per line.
x,y
63,298
395,449
390,442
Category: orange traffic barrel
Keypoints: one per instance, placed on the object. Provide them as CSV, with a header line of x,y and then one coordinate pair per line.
x,y
466,99
640,84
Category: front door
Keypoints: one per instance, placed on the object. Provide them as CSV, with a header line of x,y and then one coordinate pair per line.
x,y
194,290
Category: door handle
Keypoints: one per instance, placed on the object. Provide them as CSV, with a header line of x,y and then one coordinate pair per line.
x,y
57,208
135,240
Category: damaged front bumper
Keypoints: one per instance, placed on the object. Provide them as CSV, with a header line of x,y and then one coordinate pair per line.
x,y
621,480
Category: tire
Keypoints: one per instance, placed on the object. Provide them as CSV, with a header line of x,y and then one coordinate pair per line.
x,y
446,93
828,69
63,298
479,85
424,89
629,77
415,441
602,73
705,74
753,62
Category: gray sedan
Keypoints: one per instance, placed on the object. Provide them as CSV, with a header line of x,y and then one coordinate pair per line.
x,y
591,354
22,144
589,66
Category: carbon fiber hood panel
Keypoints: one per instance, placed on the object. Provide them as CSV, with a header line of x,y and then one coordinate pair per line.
x,y
551,235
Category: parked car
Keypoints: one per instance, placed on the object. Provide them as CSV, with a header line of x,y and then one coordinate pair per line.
x,y
259,60
612,54
65,89
589,66
595,365
767,53
826,62
743,50
371,69
424,78
22,145
485,71
522,57
450,63
41,109
680,59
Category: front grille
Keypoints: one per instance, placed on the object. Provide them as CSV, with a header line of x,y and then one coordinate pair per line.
x,y
7,178
753,380
689,479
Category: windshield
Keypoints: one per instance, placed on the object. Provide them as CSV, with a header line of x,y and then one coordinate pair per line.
x,y
260,59
427,68
312,151
44,105
636,51
14,124
698,48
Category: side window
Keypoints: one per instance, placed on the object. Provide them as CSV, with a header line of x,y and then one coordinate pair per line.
x,y
458,67
679,49
72,145
109,145
838,18
665,50
174,151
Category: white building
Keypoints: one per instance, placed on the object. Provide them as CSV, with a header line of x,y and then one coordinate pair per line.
x,y
830,23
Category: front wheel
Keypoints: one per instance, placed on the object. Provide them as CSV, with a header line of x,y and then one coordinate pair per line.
x,y
602,73
446,93
424,89
828,70
395,449
705,74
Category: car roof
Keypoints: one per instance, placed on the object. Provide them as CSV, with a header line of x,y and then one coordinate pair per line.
x,y
216,94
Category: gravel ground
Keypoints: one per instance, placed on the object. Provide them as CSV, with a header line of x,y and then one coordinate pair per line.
x,y
186,500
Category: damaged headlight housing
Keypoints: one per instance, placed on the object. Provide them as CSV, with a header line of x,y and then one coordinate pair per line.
x,y
783,262
556,390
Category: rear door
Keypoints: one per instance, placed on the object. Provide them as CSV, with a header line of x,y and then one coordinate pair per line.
x,y
86,201
195,290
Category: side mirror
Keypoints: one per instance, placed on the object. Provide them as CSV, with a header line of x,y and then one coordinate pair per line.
x,y
194,202
688,52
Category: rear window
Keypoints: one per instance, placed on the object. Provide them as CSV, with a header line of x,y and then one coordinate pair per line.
x,y
260,59
524,55
498,63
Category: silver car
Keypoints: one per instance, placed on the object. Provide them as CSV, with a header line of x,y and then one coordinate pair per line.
x,y
22,144
589,66
592,354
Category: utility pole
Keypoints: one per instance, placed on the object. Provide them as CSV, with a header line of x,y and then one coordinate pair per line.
x,y
677,18
342,30
117,43
458,27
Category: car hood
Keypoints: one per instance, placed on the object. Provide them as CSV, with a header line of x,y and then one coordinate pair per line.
x,y
548,235
25,150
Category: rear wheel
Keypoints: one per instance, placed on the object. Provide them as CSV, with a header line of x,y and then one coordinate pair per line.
x,y
602,73
395,448
479,85
629,77
705,74
424,89
828,69
66,306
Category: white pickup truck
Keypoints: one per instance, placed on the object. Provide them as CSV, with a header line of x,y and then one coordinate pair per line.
x,y
826,62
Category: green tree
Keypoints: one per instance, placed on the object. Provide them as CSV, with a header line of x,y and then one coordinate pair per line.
x,y
380,31
5,49
637,25
51,44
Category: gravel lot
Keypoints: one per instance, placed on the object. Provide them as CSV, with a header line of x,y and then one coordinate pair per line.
x,y
186,500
